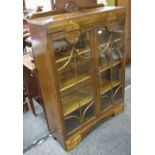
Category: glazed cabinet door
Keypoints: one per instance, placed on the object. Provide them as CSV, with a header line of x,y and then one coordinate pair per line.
x,y
73,58
110,64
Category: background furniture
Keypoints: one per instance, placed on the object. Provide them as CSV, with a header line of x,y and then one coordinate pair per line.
x,y
81,64
111,2
31,83
127,5
25,102
61,4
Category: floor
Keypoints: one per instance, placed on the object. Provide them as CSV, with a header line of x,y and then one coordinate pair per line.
x,y
109,138
34,128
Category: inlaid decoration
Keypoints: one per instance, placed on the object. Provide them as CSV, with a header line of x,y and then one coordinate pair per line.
x,y
73,142
111,26
72,32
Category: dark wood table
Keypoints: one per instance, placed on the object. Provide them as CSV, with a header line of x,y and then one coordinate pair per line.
x,y
31,81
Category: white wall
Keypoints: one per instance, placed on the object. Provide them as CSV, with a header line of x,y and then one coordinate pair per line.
x,y
32,4
102,1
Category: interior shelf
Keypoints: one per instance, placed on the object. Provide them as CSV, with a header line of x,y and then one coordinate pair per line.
x,y
108,66
82,51
108,85
73,102
73,105
64,58
74,81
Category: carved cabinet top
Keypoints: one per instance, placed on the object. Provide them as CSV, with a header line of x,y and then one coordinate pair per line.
x,y
74,20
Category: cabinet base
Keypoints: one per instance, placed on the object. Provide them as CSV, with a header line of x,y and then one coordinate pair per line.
x,y
71,143
118,110
76,138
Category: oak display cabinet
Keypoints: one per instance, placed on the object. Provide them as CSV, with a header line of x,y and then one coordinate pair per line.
x,y
80,61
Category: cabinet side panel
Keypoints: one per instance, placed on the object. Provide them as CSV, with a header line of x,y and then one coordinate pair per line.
x,y
44,68
127,5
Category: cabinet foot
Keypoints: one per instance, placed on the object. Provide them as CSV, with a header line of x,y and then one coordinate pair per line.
x,y
71,143
118,110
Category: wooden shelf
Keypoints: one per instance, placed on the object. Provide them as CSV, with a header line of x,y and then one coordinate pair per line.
x,y
108,86
106,67
74,81
73,105
82,51
74,101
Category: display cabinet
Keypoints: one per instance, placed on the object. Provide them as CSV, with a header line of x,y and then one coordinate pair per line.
x,y
80,60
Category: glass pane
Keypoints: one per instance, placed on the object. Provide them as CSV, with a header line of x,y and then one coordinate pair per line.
x,y
110,64
74,68
116,73
113,96
117,94
106,100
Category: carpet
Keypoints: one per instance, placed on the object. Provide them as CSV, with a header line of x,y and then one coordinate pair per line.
x,y
113,137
